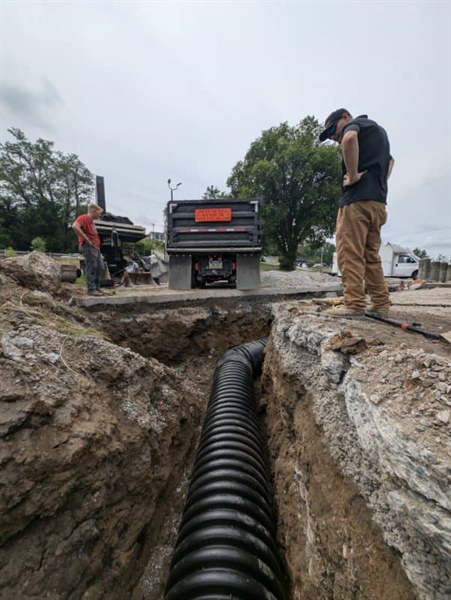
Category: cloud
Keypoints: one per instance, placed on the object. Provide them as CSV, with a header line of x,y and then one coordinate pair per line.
x,y
33,106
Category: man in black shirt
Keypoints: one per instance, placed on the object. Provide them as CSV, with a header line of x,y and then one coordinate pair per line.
x,y
367,164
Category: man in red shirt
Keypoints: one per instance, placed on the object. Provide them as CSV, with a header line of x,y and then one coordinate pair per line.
x,y
89,243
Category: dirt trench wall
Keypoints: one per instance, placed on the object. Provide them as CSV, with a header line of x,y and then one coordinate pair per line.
x,y
360,449
94,440
176,335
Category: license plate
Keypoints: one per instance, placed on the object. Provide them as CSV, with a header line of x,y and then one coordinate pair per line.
x,y
215,264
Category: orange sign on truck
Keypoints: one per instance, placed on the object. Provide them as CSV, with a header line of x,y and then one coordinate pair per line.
x,y
203,215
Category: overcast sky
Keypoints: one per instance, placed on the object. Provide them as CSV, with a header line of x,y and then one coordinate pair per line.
x,y
146,91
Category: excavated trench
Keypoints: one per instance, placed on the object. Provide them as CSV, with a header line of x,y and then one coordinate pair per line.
x,y
191,341
327,540
103,404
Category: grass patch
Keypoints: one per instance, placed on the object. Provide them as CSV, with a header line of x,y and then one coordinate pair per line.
x,y
266,267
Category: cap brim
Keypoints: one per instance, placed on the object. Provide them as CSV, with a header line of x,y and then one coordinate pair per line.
x,y
324,135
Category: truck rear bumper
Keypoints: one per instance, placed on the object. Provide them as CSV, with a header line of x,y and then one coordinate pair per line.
x,y
214,250
186,269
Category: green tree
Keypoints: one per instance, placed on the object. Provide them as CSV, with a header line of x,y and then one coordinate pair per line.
x,y
214,193
145,246
299,181
327,253
318,253
420,253
40,192
10,225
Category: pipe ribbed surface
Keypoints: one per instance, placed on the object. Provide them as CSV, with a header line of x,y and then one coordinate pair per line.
x,y
226,546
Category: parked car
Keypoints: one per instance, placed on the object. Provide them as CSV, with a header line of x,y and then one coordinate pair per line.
x,y
319,266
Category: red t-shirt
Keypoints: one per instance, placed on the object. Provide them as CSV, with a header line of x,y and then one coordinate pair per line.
x,y
89,229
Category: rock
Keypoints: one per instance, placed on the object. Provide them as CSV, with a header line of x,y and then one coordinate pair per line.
x,y
375,399
35,271
418,284
334,365
443,416
347,343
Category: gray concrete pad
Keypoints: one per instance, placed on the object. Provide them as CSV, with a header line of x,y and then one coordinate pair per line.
x,y
163,295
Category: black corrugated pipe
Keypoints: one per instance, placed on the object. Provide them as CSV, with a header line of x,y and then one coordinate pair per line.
x,y
226,545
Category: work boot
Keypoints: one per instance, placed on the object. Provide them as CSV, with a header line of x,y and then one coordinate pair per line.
x,y
344,312
378,312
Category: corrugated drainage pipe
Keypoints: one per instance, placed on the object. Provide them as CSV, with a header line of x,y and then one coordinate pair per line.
x,y
226,545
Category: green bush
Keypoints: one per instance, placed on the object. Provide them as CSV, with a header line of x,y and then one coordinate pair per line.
x,y
38,244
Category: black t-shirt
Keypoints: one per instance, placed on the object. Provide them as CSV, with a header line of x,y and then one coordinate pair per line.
x,y
374,157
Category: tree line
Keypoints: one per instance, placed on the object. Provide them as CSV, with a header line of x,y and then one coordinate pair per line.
x,y
42,190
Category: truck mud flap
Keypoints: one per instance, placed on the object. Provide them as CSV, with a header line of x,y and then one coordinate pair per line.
x,y
247,271
180,271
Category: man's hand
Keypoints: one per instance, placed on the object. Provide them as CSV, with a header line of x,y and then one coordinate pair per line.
x,y
352,179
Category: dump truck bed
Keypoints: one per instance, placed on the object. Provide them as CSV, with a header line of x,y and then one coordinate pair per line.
x,y
215,224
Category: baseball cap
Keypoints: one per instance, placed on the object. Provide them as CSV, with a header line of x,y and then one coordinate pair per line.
x,y
331,120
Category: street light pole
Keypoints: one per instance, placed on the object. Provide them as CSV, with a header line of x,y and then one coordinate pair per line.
x,y
173,188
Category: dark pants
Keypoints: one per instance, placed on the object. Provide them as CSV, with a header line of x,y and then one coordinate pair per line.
x,y
93,266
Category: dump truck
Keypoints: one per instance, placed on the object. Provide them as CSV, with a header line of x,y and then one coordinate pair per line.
x,y
214,240
396,262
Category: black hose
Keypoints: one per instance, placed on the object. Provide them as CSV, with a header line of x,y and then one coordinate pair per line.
x,y
405,326
226,547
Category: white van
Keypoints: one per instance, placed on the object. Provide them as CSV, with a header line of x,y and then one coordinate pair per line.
x,y
396,262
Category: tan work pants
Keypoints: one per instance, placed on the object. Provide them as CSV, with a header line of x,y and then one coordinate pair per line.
x,y
358,240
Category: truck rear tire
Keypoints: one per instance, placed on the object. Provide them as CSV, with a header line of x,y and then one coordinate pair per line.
x,y
415,275
193,278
